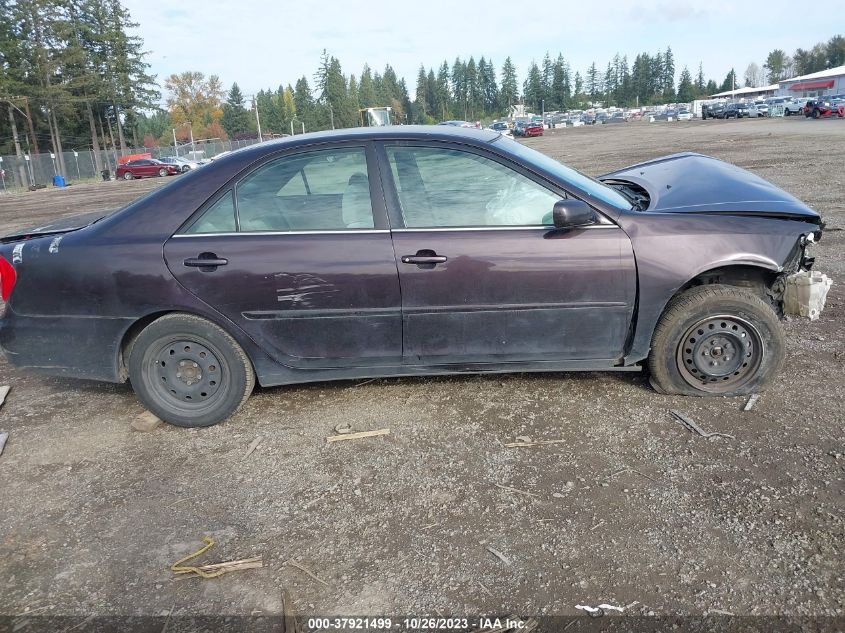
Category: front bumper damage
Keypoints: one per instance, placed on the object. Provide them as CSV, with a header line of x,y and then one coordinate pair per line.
x,y
805,294
804,291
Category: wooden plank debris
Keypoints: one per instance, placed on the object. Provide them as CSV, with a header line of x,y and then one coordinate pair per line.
x,y
356,436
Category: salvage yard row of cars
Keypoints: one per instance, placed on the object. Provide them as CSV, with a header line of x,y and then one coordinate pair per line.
x,y
413,251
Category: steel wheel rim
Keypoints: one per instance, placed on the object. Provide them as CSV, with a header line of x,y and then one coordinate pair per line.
x,y
720,353
187,374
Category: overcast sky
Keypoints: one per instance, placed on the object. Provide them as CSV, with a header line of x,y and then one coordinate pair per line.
x,y
264,44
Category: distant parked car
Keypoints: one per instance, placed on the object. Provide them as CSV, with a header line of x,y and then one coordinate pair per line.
x,y
182,163
741,110
616,117
713,111
457,123
528,128
588,119
667,114
762,107
146,167
790,106
684,115
824,109
502,127
601,117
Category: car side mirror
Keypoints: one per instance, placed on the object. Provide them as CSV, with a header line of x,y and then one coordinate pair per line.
x,y
570,214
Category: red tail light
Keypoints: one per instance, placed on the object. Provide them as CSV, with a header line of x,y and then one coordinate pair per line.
x,y
8,277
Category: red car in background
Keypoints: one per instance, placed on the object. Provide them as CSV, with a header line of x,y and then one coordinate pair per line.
x,y
824,109
144,167
528,128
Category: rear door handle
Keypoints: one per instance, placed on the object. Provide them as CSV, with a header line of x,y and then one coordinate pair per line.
x,y
424,259
207,262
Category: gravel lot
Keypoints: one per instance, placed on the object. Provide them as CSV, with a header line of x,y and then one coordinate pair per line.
x,y
629,507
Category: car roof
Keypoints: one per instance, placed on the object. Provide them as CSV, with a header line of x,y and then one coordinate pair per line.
x,y
387,132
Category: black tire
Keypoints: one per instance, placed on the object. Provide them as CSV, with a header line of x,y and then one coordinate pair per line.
x,y
127,176
716,340
162,172
816,113
189,372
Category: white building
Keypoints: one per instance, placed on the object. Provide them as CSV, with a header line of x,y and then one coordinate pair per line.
x,y
747,93
822,83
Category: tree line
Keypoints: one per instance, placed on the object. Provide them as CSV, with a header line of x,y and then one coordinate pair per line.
x,y
73,76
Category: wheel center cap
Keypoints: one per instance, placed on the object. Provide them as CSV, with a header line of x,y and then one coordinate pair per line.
x,y
716,351
189,372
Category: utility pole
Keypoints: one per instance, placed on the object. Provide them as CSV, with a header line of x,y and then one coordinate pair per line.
x,y
191,132
31,127
18,152
257,118
331,113
175,144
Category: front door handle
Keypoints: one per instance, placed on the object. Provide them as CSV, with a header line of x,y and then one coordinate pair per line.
x,y
423,259
206,262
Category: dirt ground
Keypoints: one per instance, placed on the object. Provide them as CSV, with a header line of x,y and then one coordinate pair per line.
x,y
629,508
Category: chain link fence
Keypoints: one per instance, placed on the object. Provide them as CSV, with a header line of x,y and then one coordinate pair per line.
x,y
80,165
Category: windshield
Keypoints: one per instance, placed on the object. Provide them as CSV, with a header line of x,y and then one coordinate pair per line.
x,y
591,186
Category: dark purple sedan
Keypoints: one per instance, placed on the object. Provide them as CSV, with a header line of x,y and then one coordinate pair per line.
x,y
410,251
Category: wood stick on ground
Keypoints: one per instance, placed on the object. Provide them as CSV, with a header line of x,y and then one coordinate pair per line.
x,y
356,436
517,490
3,438
4,391
234,565
499,555
692,426
532,443
751,401
252,447
304,569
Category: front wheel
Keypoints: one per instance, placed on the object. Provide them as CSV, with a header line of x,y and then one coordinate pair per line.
x,y
189,372
162,172
127,176
716,340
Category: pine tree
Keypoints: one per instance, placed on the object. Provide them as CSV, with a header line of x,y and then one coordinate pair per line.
x,y
668,74
509,93
533,88
444,95
686,89
366,89
236,119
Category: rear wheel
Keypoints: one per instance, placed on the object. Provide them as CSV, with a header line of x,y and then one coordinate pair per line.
x,y
189,372
716,340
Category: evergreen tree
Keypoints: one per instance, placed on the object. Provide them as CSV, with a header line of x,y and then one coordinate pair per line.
x,y
236,119
730,82
509,93
593,83
443,93
366,89
489,89
533,88
668,76
686,89
700,84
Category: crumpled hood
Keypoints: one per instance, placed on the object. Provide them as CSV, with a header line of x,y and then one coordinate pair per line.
x,y
694,183
63,225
